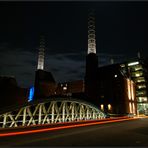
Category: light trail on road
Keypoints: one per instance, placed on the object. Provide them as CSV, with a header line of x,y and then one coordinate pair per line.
x,y
63,127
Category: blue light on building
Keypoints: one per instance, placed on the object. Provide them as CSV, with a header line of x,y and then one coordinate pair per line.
x,y
31,94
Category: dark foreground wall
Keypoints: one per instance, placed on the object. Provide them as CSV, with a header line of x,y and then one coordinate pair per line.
x,y
10,93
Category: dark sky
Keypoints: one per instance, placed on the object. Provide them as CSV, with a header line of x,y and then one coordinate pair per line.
x,y
120,33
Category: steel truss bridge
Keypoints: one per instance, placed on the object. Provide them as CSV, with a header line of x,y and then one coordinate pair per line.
x,y
50,111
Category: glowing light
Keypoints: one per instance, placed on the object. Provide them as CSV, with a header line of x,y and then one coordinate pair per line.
x,y
31,94
91,34
130,107
141,86
63,127
141,99
137,74
132,90
140,79
102,107
64,88
129,89
134,108
109,107
134,63
41,54
122,65
115,76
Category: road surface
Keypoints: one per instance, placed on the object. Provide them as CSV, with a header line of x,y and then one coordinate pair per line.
x,y
124,133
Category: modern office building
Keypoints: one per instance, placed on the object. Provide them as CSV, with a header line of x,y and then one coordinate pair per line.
x,y
137,70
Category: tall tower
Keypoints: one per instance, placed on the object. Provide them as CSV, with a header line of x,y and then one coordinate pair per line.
x,y
41,54
91,33
45,83
91,61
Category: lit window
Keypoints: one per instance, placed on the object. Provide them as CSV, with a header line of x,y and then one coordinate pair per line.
x,y
138,68
137,74
109,107
141,86
140,92
145,99
64,88
140,79
134,63
102,107
122,65
142,99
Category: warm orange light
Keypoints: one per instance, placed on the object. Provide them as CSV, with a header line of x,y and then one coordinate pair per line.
x,y
109,107
132,90
129,89
64,88
102,107
130,107
134,108
63,127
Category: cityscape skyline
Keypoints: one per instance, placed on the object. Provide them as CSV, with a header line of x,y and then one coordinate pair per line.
x,y
120,30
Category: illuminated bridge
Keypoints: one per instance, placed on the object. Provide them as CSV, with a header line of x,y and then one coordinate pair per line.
x,y
56,110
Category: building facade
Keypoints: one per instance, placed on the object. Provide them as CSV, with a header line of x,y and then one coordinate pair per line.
x,y
72,88
116,92
137,70
45,84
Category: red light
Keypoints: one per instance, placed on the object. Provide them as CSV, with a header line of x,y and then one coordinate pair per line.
x,y
63,127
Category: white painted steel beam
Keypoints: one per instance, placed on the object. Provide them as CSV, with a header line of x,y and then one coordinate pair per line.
x,y
50,112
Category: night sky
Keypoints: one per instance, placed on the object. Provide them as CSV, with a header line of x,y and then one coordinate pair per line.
x,y
120,34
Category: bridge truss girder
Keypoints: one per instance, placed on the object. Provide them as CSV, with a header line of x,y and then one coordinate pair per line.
x,y
50,112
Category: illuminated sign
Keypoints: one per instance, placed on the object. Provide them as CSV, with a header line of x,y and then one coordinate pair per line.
x,y
31,94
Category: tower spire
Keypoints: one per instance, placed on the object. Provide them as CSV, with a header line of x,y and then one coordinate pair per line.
x,y
41,54
91,32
